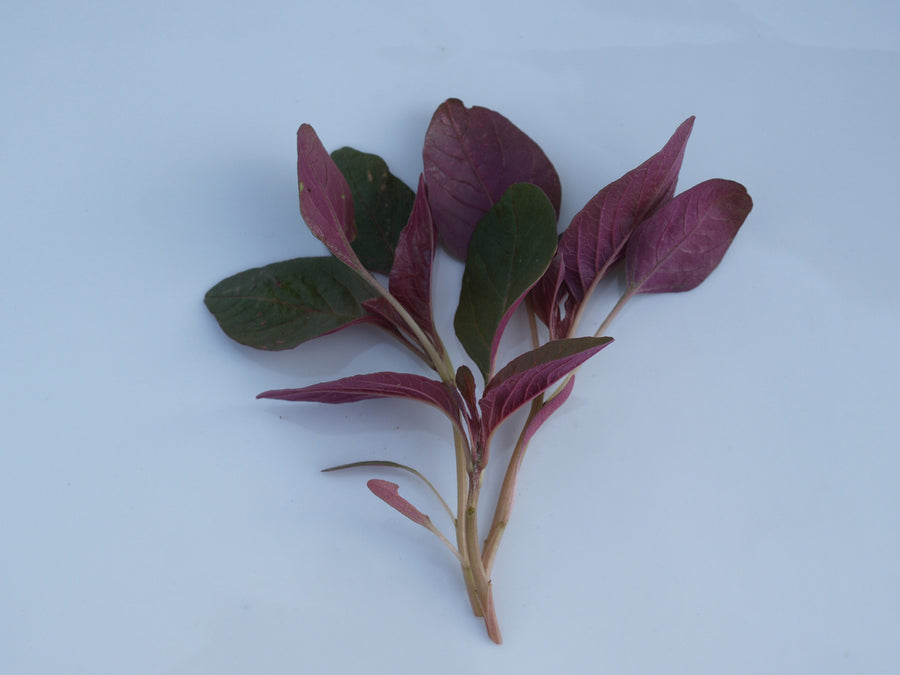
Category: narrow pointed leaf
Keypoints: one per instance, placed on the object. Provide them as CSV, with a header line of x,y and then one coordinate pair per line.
x,y
547,410
381,203
530,374
595,240
284,304
684,241
472,156
326,203
410,279
389,493
510,250
376,385
546,295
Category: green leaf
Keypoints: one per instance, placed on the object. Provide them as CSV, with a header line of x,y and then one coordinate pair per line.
x,y
382,202
283,304
510,249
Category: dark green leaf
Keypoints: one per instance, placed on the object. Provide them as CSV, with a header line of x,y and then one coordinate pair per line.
x,y
382,203
509,251
281,305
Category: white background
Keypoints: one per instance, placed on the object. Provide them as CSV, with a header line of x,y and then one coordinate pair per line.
x,y
720,494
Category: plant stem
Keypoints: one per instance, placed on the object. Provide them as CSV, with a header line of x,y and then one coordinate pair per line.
x,y
615,311
482,584
438,358
462,489
507,492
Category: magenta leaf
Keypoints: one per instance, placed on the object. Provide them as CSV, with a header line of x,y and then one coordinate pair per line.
x,y
682,243
410,279
547,410
595,240
532,373
376,385
390,494
546,296
472,156
326,203
465,384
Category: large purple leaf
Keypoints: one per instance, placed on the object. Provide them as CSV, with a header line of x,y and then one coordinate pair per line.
x,y
683,242
530,374
410,279
376,385
326,203
472,155
596,238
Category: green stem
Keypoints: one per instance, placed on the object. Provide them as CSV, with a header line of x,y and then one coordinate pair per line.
x,y
507,492
630,293
438,356
462,489
482,583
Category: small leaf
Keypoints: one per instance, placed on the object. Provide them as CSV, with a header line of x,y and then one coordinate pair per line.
x,y
465,384
510,250
283,304
596,237
682,243
547,410
546,296
326,203
390,494
410,278
532,373
381,202
472,156
376,385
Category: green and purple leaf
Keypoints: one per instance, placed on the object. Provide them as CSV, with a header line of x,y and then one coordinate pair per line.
x,y
510,250
389,493
376,385
326,203
381,202
682,243
284,304
530,374
595,240
472,156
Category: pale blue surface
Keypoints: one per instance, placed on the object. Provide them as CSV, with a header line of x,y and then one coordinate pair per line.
x,y
720,495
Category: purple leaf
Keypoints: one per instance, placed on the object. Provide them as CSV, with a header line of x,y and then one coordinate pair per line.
x,y
465,384
410,279
596,238
683,242
326,203
472,155
545,298
376,385
546,410
530,374
390,494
